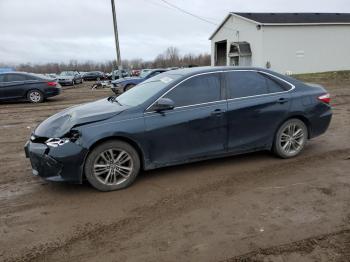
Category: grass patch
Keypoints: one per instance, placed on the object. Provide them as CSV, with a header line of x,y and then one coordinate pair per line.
x,y
333,75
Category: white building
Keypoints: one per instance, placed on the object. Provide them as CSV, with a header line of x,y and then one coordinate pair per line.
x,y
284,42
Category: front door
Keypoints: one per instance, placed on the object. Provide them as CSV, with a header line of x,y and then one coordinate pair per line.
x,y
195,128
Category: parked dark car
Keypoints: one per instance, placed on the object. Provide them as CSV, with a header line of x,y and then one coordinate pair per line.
x,y
178,117
25,86
124,84
69,78
94,76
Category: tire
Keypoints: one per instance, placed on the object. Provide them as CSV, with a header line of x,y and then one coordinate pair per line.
x,y
99,164
35,96
128,87
290,138
98,79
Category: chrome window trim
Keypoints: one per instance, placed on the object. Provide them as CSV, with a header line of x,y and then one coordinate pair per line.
x,y
230,99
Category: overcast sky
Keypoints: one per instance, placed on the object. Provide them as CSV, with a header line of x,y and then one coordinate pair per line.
x,y
61,30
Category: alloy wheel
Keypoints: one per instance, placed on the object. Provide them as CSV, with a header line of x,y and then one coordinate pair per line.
x,y
35,96
292,139
113,167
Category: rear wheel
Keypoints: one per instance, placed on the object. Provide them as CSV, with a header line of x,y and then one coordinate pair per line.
x,y
112,165
290,138
35,96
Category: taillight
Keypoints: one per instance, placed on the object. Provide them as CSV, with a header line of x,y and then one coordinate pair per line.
x,y
51,83
326,98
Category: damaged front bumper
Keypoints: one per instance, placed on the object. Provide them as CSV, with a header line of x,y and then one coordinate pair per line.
x,y
62,163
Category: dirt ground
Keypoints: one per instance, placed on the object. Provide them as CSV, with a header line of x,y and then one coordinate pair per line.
x,y
253,207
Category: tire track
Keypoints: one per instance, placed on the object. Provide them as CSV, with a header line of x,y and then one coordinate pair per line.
x,y
174,205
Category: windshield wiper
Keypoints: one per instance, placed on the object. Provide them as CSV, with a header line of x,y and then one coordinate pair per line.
x,y
114,99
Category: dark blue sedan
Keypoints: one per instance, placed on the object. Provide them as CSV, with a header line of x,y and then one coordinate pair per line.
x,y
178,117
124,84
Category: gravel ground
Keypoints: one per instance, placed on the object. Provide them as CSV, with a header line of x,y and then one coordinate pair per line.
x,y
253,207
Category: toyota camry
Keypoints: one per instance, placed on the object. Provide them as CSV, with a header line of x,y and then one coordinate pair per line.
x,y
178,117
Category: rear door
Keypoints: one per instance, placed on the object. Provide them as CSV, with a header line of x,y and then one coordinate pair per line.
x,y
257,103
14,86
195,128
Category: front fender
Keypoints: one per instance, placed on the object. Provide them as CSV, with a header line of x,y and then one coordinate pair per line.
x,y
130,130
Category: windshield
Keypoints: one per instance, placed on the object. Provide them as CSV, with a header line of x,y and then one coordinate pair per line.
x,y
141,93
67,73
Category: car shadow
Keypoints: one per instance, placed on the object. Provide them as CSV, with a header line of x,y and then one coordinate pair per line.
x,y
169,172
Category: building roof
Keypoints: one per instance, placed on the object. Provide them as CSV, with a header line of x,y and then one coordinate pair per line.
x,y
296,18
274,19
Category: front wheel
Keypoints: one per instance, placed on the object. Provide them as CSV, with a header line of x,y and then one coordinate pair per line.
x,y
112,165
290,138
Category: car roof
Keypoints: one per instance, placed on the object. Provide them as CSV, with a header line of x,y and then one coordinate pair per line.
x,y
205,69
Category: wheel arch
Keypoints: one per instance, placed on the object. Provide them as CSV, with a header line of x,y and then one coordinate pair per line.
x,y
34,89
125,139
302,118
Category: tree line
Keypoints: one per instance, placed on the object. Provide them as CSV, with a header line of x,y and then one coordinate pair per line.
x,y
169,58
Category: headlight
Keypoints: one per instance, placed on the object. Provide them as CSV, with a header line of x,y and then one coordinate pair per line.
x,y
55,142
71,136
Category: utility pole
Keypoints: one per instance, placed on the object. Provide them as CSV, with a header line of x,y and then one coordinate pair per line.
x,y
115,26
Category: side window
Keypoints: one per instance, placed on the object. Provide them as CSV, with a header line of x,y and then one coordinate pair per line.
x,y
2,78
276,85
30,78
245,83
196,90
15,77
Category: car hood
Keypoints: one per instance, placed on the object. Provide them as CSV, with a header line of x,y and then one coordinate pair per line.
x,y
65,77
61,123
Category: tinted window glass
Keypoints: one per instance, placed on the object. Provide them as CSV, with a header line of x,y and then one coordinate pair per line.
x,y
250,83
15,77
2,78
196,90
276,85
242,84
29,77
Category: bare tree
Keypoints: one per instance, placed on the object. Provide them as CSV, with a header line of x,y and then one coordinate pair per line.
x,y
169,58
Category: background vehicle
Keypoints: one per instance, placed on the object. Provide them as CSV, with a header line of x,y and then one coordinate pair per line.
x,y
95,75
124,84
25,86
135,72
70,78
116,74
211,112
52,75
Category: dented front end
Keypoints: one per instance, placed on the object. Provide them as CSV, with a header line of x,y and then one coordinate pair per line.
x,y
61,162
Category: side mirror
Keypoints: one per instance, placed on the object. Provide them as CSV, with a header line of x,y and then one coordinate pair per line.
x,y
163,104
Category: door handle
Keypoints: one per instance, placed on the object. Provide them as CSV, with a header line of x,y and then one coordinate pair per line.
x,y
282,100
217,112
